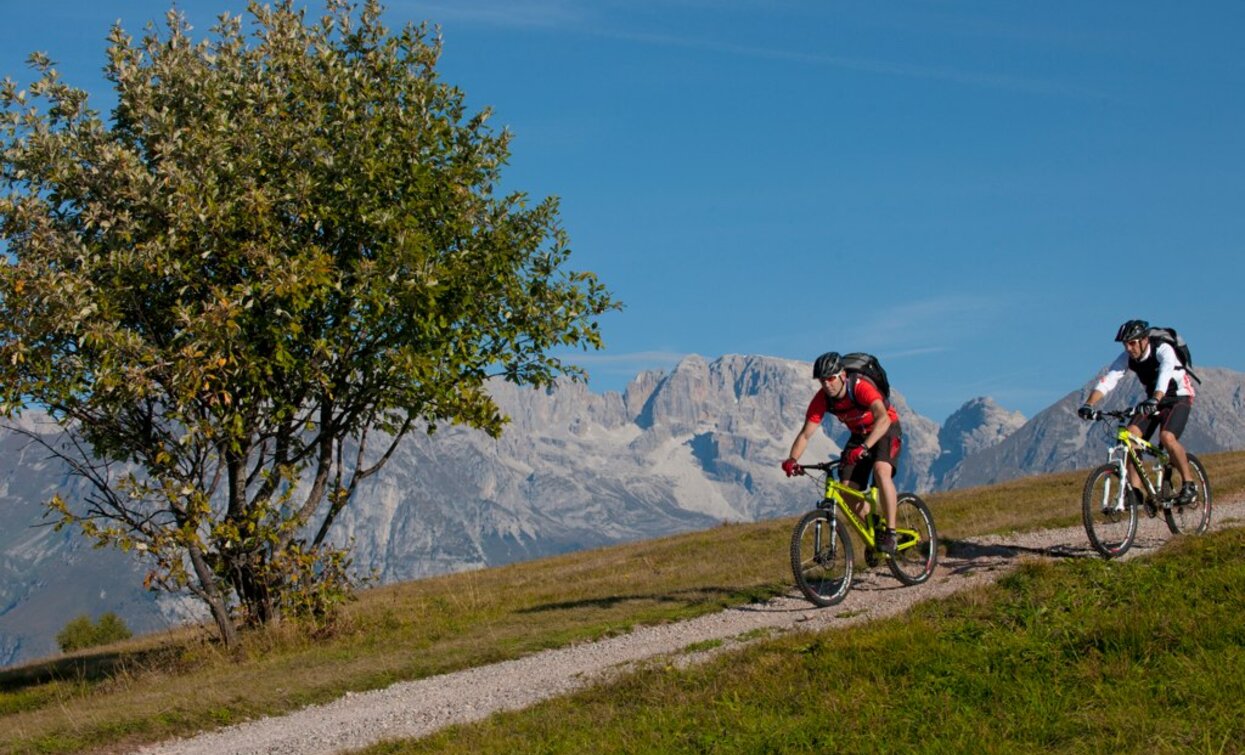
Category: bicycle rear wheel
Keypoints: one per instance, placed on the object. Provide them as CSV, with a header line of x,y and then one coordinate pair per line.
x,y
1110,520
916,541
821,558
1191,518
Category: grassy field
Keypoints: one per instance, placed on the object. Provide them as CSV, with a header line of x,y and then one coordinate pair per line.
x,y
1076,656
155,687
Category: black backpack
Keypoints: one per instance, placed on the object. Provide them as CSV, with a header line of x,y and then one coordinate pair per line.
x,y
1170,337
859,363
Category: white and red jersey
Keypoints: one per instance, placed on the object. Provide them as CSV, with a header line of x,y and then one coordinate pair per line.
x,y
1157,366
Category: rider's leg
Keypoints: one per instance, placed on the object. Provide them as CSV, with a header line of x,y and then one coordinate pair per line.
x,y
1133,478
856,476
1174,417
1179,456
883,478
859,505
886,456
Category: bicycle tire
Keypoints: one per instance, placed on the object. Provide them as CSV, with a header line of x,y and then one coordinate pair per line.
x,y
821,558
1111,529
914,565
1192,518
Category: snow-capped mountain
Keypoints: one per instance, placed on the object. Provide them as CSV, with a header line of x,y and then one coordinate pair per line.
x,y
676,451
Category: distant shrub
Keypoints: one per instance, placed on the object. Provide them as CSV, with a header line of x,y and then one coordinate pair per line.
x,y
82,633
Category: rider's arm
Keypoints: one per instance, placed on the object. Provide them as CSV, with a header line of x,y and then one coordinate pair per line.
x,y
1109,379
1168,364
881,423
801,440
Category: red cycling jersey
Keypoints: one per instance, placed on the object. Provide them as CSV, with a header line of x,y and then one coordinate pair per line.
x,y
857,418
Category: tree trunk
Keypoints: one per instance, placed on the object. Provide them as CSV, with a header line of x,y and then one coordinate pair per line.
x,y
212,596
253,590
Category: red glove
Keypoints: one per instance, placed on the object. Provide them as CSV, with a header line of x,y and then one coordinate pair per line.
x,y
856,454
792,468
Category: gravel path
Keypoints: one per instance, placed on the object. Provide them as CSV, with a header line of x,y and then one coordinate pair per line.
x,y
414,709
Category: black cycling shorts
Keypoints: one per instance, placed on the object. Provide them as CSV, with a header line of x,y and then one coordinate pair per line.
x,y
1172,416
887,449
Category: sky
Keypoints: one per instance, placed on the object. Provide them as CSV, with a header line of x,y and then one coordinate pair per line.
x,y
979,191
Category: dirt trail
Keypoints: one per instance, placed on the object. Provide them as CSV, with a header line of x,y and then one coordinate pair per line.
x,y
414,709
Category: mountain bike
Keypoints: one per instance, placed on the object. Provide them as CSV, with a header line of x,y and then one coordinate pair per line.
x,y
1109,507
822,555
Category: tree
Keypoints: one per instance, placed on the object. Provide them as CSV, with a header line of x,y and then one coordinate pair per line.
x,y
281,247
81,633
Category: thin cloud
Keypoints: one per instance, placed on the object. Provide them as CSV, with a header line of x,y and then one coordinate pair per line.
x,y
577,19
926,322
546,14
882,67
918,352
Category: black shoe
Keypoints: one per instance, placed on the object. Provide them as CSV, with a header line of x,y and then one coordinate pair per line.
x,y
886,542
1188,494
1138,498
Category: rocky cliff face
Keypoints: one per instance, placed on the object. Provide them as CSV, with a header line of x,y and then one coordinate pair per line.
x,y
978,425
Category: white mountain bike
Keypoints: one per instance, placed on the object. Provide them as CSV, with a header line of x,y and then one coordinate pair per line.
x,y
1109,506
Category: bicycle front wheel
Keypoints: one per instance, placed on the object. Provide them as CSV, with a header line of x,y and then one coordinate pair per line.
x,y
1191,518
821,558
1110,520
916,541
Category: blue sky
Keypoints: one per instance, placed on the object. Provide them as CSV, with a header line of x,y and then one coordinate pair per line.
x,y
978,192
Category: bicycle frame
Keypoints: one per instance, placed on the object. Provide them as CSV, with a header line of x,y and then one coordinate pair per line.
x,y
836,499
1128,452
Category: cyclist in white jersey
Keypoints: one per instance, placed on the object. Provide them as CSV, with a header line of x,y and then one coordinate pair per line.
x,y
1169,396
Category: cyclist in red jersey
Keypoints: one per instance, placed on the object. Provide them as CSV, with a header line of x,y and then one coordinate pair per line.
x,y
876,439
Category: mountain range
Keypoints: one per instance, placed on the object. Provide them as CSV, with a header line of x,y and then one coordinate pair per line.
x,y
676,451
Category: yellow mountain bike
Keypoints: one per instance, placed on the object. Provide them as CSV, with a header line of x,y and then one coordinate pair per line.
x,y
822,557
1109,506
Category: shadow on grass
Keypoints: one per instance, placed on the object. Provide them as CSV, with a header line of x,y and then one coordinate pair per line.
x,y
970,550
699,595
87,668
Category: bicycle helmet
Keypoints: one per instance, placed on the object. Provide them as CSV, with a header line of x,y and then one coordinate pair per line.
x,y
827,364
1132,330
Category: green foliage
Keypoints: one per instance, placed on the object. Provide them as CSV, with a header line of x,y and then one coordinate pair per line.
x,y
280,247
82,633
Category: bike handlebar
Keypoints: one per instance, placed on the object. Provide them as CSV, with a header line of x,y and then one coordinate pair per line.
x,y
825,466
1120,414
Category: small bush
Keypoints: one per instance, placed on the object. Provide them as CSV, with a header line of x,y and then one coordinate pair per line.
x,y
81,633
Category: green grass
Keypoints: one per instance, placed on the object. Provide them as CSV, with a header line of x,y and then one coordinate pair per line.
x,y
151,688
1077,656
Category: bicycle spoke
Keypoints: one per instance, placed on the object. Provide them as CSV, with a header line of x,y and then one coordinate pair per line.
x,y
821,558
916,551
1191,518
1110,521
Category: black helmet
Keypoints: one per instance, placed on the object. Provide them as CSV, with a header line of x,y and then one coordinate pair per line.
x,y
1132,330
827,364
